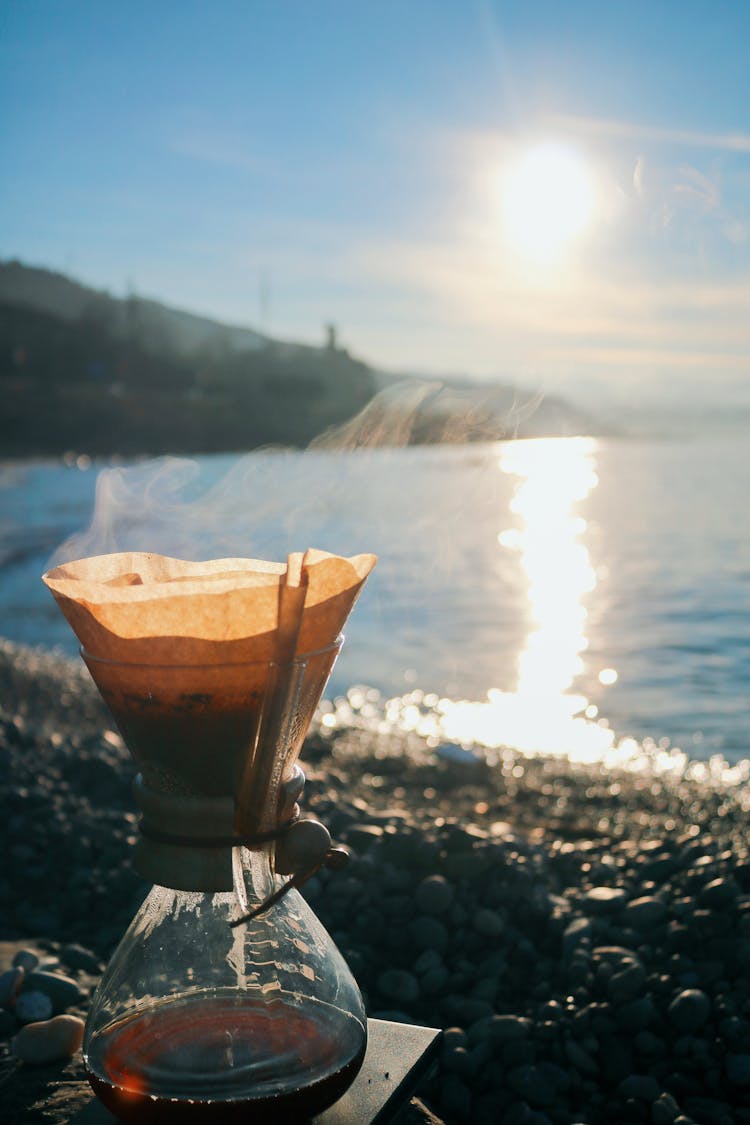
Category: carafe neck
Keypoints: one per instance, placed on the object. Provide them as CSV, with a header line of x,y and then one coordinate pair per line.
x,y
188,843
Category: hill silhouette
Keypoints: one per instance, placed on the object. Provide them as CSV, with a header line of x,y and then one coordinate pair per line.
x,y
82,370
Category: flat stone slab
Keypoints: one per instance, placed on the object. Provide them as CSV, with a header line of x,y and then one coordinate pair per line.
x,y
398,1056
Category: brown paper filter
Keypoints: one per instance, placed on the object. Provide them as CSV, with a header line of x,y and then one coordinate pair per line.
x,y
149,609
182,652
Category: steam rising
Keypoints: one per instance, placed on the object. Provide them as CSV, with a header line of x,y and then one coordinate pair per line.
x,y
174,506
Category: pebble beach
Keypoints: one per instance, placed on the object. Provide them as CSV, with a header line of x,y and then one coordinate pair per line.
x,y
581,933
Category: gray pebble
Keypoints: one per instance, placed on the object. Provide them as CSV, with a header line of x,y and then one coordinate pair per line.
x,y
363,836
433,982
427,961
690,1010
454,1037
397,984
78,957
465,1010
457,1060
664,1109
645,913
26,959
434,895
719,893
62,991
614,953
579,1058
45,1042
626,984
649,1044
576,933
33,1006
456,1097
10,985
637,1014
605,900
531,1084
644,1087
508,1029
518,1114
429,933
488,923
738,1069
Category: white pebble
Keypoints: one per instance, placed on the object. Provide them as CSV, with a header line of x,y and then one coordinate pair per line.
x,y
49,1040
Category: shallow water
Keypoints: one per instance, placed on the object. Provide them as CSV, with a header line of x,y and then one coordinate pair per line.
x,y
595,589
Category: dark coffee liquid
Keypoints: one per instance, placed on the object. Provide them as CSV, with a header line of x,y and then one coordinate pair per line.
x,y
213,1058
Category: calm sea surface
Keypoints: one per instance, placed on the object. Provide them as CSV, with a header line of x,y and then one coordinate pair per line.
x,y
556,595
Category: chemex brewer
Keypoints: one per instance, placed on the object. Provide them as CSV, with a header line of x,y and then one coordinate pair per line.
x,y
226,1000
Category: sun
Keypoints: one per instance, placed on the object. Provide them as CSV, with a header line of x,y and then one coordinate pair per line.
x,y
548,199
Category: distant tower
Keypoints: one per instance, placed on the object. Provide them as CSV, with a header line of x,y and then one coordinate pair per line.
x,y
331,342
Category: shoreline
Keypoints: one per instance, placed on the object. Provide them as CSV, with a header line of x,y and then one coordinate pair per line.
x,y
583,932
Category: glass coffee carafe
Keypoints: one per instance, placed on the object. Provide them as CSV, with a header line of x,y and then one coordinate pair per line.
x,y
226,999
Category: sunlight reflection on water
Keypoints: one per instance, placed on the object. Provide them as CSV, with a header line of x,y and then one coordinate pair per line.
x,y
542,715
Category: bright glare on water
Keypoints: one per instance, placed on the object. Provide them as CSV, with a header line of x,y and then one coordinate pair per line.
x,y
543,714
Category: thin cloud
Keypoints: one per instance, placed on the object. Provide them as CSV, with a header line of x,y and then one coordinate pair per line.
x,y
587,322
632,130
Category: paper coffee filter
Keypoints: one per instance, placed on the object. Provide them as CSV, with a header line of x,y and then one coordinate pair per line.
x,y
149,609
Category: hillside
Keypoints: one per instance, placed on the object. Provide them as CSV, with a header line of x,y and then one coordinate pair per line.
x,y
82,370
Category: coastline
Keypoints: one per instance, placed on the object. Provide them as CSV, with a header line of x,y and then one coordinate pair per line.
x,y
583,933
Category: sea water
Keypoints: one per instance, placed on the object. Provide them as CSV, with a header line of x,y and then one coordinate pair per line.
x,y
555,595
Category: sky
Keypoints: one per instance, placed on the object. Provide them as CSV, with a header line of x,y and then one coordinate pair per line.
x,y
552,193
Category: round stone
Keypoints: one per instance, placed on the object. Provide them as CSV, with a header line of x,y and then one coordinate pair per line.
x,y
738,1069
434,895
626,984
63,991
645,913
45,1042
427,961
488,923
434,982
26,959
397,984
531,1084
578,932
690,1010
636,1014
454,1037
644,1087
455,1097
605,900
33,1006
10,986
664,1109
78,957
719,893
429,933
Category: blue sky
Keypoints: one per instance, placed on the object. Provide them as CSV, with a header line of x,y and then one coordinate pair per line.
x,y
357,155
